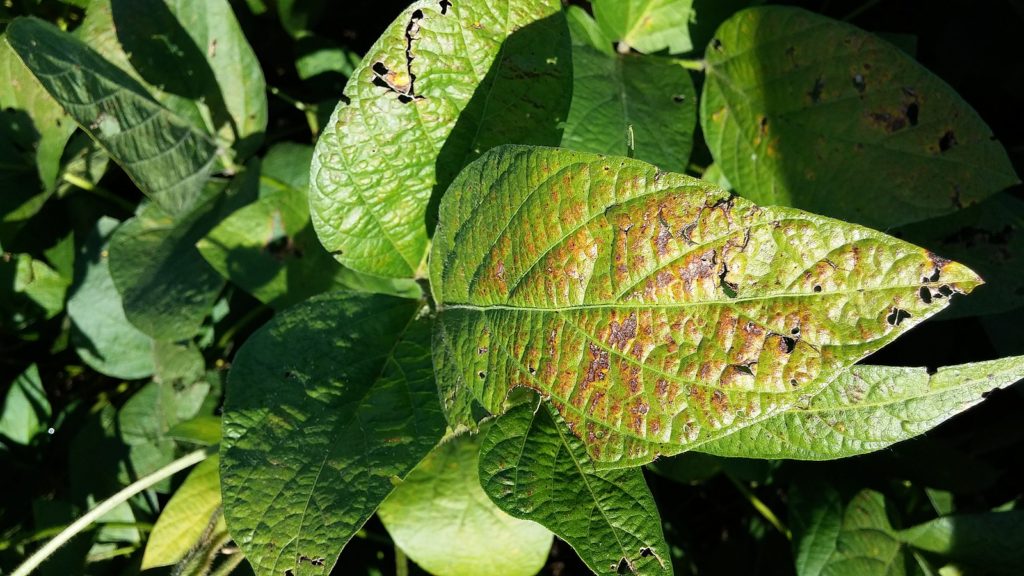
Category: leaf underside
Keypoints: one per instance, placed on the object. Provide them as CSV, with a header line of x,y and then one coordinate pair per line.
x,y
657,313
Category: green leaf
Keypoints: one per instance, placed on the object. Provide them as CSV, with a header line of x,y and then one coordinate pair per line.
x,y
198,57
101,334
145,419
441,518
354,407
298,16
445,82
532,468
167,286
202,430
988,542
868,408
657,313
186,517
269,247
49,126
987,237
613,92
647,25
166,157
26,410
805,111
30,291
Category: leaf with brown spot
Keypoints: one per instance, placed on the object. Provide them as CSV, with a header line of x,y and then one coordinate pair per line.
x,y
601,338
805,111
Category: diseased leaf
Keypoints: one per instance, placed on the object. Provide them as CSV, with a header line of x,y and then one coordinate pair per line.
x,y
445,82
101,334
354,408
26,410
647,25
167,286
614,92
48,127
868,408
988,237
657,313
801,110
269,247
166,157
189,513
532,468
198,57
441,518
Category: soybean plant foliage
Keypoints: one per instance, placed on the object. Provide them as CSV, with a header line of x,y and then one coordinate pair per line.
x,y
510,287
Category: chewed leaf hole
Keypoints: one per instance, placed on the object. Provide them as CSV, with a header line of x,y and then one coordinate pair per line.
x,y
926,295
947,141
897,316
913,109
445,4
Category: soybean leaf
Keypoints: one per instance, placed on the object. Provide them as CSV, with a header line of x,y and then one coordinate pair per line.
x,y
145,419
194,508
613,93
26,410
298,16
166,157
868,408
354,410
985,542
445,82
30,291
201,430
101,334
532,468
441,518
46,126
805,111
657,313
196,51
989,237
167,286
647,25
269,247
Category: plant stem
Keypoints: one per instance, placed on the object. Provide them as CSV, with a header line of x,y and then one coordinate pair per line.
x,y
401,562
82,183
229,565
761,507
40,556
696,64
309,110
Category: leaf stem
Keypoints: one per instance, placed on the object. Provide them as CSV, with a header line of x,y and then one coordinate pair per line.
x,y
695,64
401,562
40,556
309,110
82,183
761,507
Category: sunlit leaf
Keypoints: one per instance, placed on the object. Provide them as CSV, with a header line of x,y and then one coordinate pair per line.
x,y
657,313
444,83
647,25
26,410
190,512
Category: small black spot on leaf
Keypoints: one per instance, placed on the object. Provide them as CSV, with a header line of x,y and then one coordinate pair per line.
x,y
380,68
445,4
912,112
926,295
679,98
815,93
858,83
716,44
481,374
789,344
945,291
646,552
817,287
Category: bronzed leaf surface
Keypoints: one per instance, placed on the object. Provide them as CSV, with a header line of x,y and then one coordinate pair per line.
x,y
441,518
657,313
868,408
445,82
801,110
166,157
534,469
327,407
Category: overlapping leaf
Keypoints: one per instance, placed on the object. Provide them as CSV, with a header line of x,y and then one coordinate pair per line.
x,y
801,110
194,508
441,518
657,313
534,469
445,82
327,406
166,156
868,408
613,93
647,25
